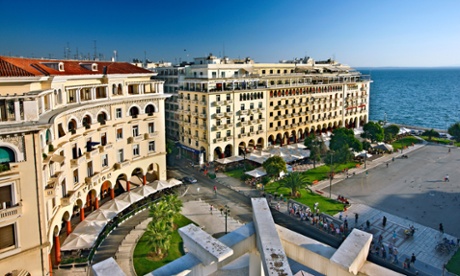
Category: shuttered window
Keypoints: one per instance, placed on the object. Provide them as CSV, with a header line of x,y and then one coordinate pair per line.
x,y
5,196
6,236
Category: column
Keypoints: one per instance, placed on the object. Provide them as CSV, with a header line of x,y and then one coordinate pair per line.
x,y
77,96
144,179
96,203
17,114
112,193
57,249
50,265
68,227
82,213
127,186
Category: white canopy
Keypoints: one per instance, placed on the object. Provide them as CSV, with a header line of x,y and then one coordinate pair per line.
x,y
383,146
90,227
174,182
130,197
113,207
144,190
160,185
257,172
363,154
76,241
97,215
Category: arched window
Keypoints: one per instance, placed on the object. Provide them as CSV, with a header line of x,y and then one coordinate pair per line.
x,y
150,109
6,155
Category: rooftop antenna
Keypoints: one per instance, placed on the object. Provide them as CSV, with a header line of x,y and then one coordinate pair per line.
x,y
95,50
223,48
114,55
76,55
145,59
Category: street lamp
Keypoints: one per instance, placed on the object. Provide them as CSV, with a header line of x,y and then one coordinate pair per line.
x,y
225,211
331,176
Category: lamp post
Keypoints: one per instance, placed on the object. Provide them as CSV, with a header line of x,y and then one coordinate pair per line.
x,y
330,177
225,211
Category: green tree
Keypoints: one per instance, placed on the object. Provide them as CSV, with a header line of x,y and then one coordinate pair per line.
x,y
430,133
274,165
309,140
454,130
294,181
390,132
344,137
161,227
373,131
315,155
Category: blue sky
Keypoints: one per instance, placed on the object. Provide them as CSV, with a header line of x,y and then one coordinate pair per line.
x,y
355,32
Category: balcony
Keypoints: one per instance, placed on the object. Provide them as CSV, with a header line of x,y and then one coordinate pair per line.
x,y
93,178
202,116
138,138
229,138
10,213
121,165
106,147
202,127
219,127
260,131
261,109
50,191
219,103
203,103
244,112
252,133
91,154
227,102
218,140
194,102
195,114
261,120
229,114
242,135
219,115
78,161
203,139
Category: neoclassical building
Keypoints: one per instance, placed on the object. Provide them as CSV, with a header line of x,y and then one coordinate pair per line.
x,y
229,107
72,134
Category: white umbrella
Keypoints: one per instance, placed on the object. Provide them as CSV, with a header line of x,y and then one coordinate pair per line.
x,y
224,161
257,172
235,158
130,197
76,241
174,182
97,215
90,227
112,208
159,185
144,190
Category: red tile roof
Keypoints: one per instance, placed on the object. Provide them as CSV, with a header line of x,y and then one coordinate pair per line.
x,y
27,67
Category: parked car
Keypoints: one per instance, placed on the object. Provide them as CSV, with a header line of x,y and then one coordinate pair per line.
x,y
189,180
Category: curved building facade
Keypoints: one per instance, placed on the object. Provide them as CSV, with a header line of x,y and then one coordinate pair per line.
x,y
72,134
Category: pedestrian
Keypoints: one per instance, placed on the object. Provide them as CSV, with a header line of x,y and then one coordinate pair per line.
x,y
368,224
413,259
395,255
215,189
446,179
356,218
387,165
394,236
384,221
441,228
210,209
340,215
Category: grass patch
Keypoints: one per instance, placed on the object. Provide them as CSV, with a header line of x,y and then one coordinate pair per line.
x,y
326,205
405,142
437,140
453,265
236,173
143,264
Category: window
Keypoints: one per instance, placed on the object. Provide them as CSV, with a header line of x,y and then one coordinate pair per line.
x,y
75,176
119,133
242,106
228,97
271,114
260,105
151,127
271,103
118,113
214,74
151,146
6,196
120,156
136,150
135,131
251,106
271,125
229,133
218,110
218,98
263,72
222,74
218,135
7,237
229,108
104,160
103,139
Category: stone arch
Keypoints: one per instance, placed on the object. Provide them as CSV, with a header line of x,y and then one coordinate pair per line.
x,y
121,184
150,109
218,153
134,110
228,151
10,153
260,143
102,117
153,172
271,140
242,148
72,124
251,144
137,177
87,120
279,139
107,190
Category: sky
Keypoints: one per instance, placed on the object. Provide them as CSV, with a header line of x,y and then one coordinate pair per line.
x,y
399,33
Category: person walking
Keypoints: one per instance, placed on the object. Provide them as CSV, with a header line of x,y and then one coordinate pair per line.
x,y
210,209
413,259
215,189
441,228
368,224
356,218
446,179
384,221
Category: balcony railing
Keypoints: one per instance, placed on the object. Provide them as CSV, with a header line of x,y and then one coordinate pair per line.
x,y
12,212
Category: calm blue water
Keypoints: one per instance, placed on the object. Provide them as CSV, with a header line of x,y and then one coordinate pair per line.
x,y
424,97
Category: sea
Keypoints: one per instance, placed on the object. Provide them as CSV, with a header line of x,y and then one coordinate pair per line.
x,y
417,97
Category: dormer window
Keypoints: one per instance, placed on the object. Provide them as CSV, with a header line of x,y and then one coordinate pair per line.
x,y
55,65
89,66
94,67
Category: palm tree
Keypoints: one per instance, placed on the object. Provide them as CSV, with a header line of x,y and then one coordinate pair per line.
x,y
158,235
294,181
